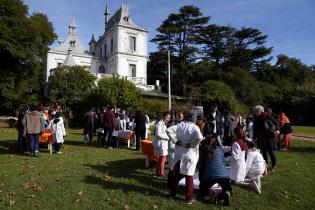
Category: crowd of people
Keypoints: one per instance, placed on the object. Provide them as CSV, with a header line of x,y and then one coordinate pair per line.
x,y
226,149
32,123
106,123
212,141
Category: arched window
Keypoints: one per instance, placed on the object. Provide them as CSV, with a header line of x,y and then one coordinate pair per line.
x,y
101,69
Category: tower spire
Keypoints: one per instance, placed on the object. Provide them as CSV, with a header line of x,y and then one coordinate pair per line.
x,y
72,26
106,15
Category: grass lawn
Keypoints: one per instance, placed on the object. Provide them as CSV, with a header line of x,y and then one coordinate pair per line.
x,y
304,129
92,178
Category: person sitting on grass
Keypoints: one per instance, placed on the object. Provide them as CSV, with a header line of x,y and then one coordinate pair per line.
x,y
160,143
238,165
58,130
215,171
255,163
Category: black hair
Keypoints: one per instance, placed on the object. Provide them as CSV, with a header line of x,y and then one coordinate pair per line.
x,y
165,114
212,147
57,115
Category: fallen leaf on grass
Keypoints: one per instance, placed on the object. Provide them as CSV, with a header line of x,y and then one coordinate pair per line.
x,y
38,187
11,156
35,206
77,200
106,177
114,202
127,207
58,180
26,185
80,193
11,202
107,199
32,196
11,193
146,193
285,192
155,207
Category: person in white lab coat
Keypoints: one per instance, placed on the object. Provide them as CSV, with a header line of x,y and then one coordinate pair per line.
x,y
171,132
58,130
238,164
255,163
186,155
160,143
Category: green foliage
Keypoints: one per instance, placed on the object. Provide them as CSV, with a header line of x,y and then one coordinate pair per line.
x,y
215,91
116,92
24,41
70,86
154,107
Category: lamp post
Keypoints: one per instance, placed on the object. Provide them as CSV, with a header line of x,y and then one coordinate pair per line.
x,y
169,79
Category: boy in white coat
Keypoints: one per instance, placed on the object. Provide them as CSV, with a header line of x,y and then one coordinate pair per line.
x,y
160,143
58,130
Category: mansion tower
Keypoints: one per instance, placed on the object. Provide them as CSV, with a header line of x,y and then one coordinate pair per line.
x,y
121,50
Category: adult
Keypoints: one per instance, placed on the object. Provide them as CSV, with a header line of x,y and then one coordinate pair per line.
x,y
215,121
186,156
34,125
99,125
160,143
89,127
20,129
140,129
285,130
228,126
265,130
109,126
274,118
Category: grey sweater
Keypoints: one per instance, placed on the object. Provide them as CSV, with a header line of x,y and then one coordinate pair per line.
x,y
33,122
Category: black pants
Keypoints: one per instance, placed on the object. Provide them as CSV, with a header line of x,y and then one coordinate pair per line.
x,y
108,131
57,146
266,147
140,135
205,185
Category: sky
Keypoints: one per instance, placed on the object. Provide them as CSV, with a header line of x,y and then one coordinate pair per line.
x,y
289,24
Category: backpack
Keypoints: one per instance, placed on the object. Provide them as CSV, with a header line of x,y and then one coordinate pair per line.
x,y
269,127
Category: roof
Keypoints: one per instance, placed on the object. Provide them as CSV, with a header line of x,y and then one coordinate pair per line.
x,y
72,41
121,17
69,61
161,95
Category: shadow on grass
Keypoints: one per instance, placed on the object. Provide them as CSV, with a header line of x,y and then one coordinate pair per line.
x,y
303,149
128,170
11,147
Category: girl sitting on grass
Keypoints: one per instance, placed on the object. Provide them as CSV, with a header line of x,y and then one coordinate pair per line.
x,y
215,171
238,164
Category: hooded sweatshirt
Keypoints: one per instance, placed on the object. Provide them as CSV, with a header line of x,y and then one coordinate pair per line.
x,y
33,122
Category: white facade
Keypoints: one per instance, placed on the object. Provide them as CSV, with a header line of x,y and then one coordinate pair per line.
x,y
121,50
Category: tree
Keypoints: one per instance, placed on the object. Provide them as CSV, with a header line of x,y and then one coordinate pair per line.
x,y
24,41
70,86
116,92
215,91
178,33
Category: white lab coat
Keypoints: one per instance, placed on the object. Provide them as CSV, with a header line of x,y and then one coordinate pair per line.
x,y
58,130
187,133
255,163
238,165
161,139
171,132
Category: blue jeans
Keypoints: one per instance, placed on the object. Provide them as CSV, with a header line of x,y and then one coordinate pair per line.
x,y
34,143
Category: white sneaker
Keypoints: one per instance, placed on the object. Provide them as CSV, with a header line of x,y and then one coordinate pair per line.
x,y
258,181
255,187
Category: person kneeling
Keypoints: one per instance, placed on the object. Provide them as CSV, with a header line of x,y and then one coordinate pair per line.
x,y
215,171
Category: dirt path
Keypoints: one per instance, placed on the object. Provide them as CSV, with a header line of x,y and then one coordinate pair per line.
x,y
303,137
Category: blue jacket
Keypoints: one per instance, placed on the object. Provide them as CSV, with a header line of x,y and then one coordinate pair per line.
x,y
214,169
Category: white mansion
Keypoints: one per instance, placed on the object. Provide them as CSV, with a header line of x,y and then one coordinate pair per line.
x,y
121,50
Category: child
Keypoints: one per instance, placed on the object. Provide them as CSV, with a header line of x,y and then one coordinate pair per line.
x,y
58,130
160,143
215,171
255,163
238,165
